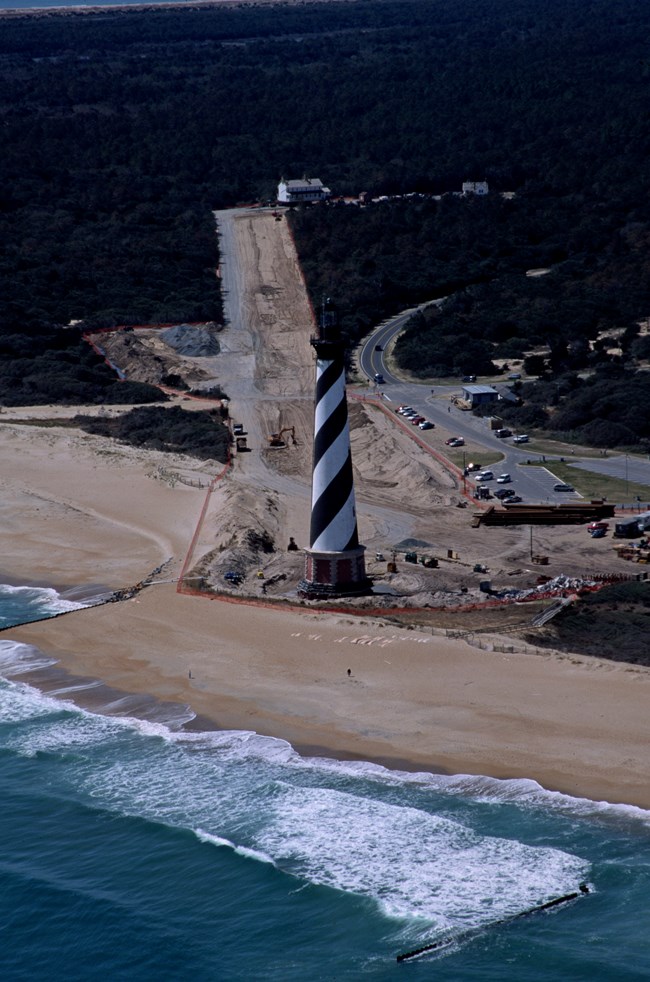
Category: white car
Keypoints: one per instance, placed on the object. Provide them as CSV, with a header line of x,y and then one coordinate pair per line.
x,y
485,476
504,479
522,438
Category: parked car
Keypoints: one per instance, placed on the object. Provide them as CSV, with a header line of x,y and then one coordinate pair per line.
x,y
514,376
503,432
597,525
598,533
426,424
563,487
416,420
504,493
455,441
522,438
504,479
403,410
485,476
469,378
512,498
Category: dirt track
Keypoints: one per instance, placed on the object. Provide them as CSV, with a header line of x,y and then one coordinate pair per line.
x,y
406,499
403,494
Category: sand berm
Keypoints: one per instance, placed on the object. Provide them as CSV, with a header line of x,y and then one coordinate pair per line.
x,y
80,510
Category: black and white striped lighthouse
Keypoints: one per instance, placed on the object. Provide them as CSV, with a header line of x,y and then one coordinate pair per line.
x,y
334,562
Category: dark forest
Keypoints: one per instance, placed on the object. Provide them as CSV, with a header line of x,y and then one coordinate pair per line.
x,y
123,130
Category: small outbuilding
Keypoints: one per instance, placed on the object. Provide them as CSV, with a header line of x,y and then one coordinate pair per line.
x,y
506,394
305,191
475,187
479,395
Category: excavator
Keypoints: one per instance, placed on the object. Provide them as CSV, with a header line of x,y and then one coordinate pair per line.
x,y
276,439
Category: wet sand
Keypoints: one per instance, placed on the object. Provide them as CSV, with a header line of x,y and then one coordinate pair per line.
x,y
78,510
413,700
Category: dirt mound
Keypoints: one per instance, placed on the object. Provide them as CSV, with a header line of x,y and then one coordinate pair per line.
x,y
143,357
192,340
250,539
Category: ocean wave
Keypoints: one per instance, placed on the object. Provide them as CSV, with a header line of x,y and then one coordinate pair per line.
x,y
24,604
17,658
245,851
166,723
323,822
413,864
523,792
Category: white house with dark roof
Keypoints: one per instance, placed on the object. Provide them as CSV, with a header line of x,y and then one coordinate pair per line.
x,y
475,187
307,190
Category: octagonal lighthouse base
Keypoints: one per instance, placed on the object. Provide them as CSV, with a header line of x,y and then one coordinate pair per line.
x,y
334,574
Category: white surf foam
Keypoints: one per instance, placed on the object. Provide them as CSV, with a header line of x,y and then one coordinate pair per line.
x,y
523,792
245,851
413,864
17,658
44,600
225,784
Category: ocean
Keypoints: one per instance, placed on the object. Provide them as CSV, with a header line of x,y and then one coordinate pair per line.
x,y
136,846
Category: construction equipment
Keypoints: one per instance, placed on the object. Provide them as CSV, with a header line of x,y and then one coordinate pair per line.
x,y
276,439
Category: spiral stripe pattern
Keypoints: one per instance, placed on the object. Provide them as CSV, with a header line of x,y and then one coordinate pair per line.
x,y
333,511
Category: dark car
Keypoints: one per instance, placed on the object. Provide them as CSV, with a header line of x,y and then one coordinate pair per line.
x,y
503,432
469,378
504,494
563,487
379,347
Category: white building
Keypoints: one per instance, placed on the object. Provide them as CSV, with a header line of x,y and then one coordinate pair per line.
x,y
475,187
307,190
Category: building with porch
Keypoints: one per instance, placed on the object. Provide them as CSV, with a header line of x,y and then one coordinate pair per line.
x,y
305,191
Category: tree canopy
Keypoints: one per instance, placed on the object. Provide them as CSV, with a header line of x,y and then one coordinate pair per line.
x,y
122,130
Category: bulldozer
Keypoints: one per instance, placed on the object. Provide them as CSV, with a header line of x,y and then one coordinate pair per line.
x,y
277,439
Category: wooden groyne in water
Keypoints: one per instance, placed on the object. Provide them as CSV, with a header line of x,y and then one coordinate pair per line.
x,y
114,597
468,935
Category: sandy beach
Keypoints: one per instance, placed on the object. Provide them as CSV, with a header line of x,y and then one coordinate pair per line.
x,y
84,511
413,700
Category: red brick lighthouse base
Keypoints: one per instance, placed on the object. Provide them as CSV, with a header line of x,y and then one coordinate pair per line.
x,y
334,574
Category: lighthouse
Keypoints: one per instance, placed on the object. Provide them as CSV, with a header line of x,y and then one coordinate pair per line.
x,y
334,562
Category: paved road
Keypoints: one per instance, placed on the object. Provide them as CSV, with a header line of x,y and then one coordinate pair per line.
x,y
534,484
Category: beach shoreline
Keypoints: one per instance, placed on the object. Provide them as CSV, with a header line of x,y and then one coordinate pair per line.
x,y
76,508
414,702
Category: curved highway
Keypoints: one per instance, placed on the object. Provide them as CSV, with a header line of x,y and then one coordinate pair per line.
x,y
534,484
